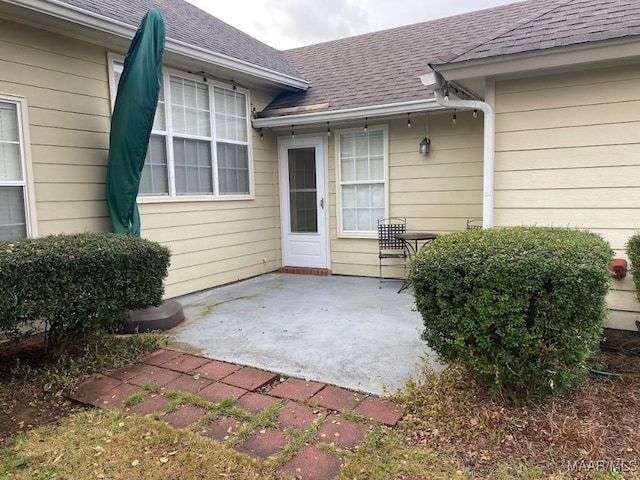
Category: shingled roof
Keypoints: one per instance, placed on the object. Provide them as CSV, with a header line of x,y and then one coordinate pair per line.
x,y
383,67
187,23
568,23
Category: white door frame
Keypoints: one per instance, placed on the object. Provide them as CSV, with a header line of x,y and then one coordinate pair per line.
x,y
319,142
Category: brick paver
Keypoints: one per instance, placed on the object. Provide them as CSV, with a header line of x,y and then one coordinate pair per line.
x,y
153,403
222,429
185,363
214,380
296,389
249,378
341,432
94,388
337,398
160,356
380,410
215,370
115,397
152,375
311,463
187,383
255,402
264,443
217,392
184,415
299,416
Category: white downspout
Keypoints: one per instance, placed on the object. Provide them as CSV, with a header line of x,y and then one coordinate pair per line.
x,y
435,82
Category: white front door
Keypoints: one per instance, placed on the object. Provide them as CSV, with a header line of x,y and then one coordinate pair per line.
x,y
303,202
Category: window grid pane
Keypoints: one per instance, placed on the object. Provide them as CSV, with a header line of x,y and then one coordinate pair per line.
x,y
13,217
10,158
193,169
191,104
231,115
13,223
154,179
190,107
233,169
362,180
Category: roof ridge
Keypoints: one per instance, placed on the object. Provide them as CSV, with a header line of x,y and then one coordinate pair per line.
x,y
411,25
528,20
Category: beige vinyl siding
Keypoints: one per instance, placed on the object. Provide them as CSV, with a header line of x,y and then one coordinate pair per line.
x,y
568,154
217,242
66,85
435,193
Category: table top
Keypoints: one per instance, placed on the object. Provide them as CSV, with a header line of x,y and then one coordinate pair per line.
x,y
416,236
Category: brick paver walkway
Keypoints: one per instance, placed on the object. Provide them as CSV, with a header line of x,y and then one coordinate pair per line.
x,y
256,412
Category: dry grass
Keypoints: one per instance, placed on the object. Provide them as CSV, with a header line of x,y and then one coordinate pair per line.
x,y
454,429
598,421
104,443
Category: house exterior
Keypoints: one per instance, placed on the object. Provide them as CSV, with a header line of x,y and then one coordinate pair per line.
x,y
261,159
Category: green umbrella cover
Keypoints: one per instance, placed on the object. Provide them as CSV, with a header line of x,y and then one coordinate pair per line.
x,y
131,123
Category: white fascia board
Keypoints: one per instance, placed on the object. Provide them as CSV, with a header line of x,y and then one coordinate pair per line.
x,y
347,114
63,11
553,58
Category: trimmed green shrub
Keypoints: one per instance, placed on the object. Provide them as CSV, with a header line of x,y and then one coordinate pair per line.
x,y
521,307
70,285
633,252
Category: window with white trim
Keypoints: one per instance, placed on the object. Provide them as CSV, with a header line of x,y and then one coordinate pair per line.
x,y
14,221
362,166
199,142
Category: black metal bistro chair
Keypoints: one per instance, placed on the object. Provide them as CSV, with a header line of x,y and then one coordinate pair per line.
x,y
474,224
390,248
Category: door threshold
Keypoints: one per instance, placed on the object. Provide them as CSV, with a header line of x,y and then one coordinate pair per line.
x,y
322,272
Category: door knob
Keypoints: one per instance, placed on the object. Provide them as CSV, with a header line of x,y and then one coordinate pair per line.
x,y
322,203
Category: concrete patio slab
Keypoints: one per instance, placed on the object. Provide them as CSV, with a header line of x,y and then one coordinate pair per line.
x,y
339,330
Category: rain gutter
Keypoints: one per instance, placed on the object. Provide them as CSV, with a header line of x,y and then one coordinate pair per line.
x,y
94,21
346,114
435,81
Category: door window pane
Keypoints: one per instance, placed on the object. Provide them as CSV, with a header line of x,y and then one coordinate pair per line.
x,y
302,190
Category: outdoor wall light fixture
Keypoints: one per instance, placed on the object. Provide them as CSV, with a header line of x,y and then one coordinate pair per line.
x,y
423,148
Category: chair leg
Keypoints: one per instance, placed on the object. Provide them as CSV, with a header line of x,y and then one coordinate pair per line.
x,y
380,274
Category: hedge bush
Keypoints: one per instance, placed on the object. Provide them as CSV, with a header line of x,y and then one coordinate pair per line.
x,y
521,307
75,284
633,252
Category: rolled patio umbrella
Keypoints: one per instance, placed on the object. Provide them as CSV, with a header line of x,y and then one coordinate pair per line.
x,y
132,120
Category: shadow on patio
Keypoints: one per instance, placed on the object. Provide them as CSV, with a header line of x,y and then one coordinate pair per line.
x,y
339,330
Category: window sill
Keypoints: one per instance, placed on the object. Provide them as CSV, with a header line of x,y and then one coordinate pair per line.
x,y
193,198
358,236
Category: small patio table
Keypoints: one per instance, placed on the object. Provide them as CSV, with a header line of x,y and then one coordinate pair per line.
x,y
414,241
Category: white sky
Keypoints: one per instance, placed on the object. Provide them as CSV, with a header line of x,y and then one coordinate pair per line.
x,y
285,24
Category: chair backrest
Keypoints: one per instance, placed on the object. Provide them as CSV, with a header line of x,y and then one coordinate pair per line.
x,y
474,224
388,228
